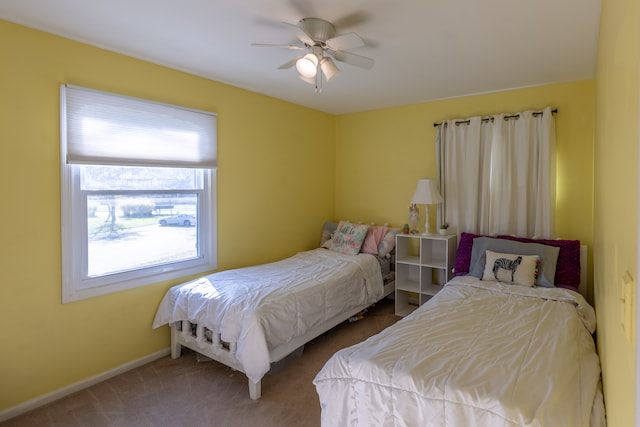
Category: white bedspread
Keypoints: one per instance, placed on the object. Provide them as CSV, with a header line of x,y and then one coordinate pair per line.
x,y
477,354
263,306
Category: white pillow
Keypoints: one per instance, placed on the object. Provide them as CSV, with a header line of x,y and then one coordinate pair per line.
x,y
511,268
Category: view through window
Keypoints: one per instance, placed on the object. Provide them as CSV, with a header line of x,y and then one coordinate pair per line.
x,y
139,217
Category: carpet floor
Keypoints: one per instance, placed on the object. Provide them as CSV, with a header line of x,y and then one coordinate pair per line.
x,y
193,392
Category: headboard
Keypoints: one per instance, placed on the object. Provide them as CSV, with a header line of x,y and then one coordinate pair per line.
x,y
568,271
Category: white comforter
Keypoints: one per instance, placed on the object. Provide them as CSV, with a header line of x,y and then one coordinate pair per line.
x,y
477,354
263,306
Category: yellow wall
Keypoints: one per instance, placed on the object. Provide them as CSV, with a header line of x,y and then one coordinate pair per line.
x,y
616,197
381,154
277,184
268,159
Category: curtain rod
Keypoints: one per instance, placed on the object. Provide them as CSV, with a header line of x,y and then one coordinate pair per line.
x,y
488,119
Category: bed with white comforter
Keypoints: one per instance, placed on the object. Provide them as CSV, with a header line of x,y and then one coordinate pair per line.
x,y
478,354
250,317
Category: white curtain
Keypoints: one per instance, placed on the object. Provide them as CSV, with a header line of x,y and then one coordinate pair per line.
x,y
497,174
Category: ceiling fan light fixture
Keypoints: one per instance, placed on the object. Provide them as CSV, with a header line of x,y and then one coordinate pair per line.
x,y
307,66
329,68
310,80
324,48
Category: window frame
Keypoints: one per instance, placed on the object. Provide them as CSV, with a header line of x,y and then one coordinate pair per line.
x,y
76,285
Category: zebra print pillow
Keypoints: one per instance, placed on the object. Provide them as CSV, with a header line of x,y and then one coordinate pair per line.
x,y
511,268
548,256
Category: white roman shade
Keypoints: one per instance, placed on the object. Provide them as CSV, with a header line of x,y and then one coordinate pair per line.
x,y
101,128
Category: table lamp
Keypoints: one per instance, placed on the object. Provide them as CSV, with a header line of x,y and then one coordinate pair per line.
x,y
426,194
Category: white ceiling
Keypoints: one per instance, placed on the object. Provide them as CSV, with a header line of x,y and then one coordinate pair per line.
x,y
424,50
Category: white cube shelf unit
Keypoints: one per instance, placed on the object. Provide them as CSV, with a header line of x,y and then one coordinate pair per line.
x,y
424,264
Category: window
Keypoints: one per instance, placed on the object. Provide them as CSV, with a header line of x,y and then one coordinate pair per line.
x,y
498,174
138,192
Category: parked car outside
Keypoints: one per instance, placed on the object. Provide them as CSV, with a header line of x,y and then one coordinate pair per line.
x,y
185,220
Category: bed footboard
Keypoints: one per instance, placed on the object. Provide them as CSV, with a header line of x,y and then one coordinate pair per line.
x,y
207,342
204,341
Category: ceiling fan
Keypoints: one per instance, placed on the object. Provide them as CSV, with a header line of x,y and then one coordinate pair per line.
x,y
323,46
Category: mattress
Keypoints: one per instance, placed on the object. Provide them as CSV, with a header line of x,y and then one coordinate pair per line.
x,y
478,353
261,307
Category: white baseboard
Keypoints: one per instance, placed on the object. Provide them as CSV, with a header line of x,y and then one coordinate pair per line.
x,y
80,385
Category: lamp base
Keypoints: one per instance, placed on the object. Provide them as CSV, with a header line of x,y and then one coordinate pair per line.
x,y
427,231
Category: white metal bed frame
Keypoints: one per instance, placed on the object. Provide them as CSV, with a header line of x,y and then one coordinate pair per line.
x,y
203,341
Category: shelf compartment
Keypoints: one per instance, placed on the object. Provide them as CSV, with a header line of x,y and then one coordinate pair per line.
x,y
408,277
430,290
433,252
403,305
409,286
406,310
435,263
415,260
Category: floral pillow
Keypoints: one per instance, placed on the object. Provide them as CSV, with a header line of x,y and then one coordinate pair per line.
x,y
512,268
348,238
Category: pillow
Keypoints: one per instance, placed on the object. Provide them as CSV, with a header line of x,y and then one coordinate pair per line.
x,y
547,254
327,231
568,265
388,243
511,268
348,238
374,237
463,256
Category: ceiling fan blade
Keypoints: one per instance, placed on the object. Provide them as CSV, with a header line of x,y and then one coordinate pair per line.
x,y
345,42
300,34
353,59
286,46
288,64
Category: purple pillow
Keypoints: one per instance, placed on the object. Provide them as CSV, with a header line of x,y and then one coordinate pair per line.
x,y
568,264
463,256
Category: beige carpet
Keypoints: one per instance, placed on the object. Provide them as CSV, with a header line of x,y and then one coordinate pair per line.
x,y
186,392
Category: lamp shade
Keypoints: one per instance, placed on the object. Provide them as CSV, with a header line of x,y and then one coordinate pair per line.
x,y
310,80
426,193
328,68
307,66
